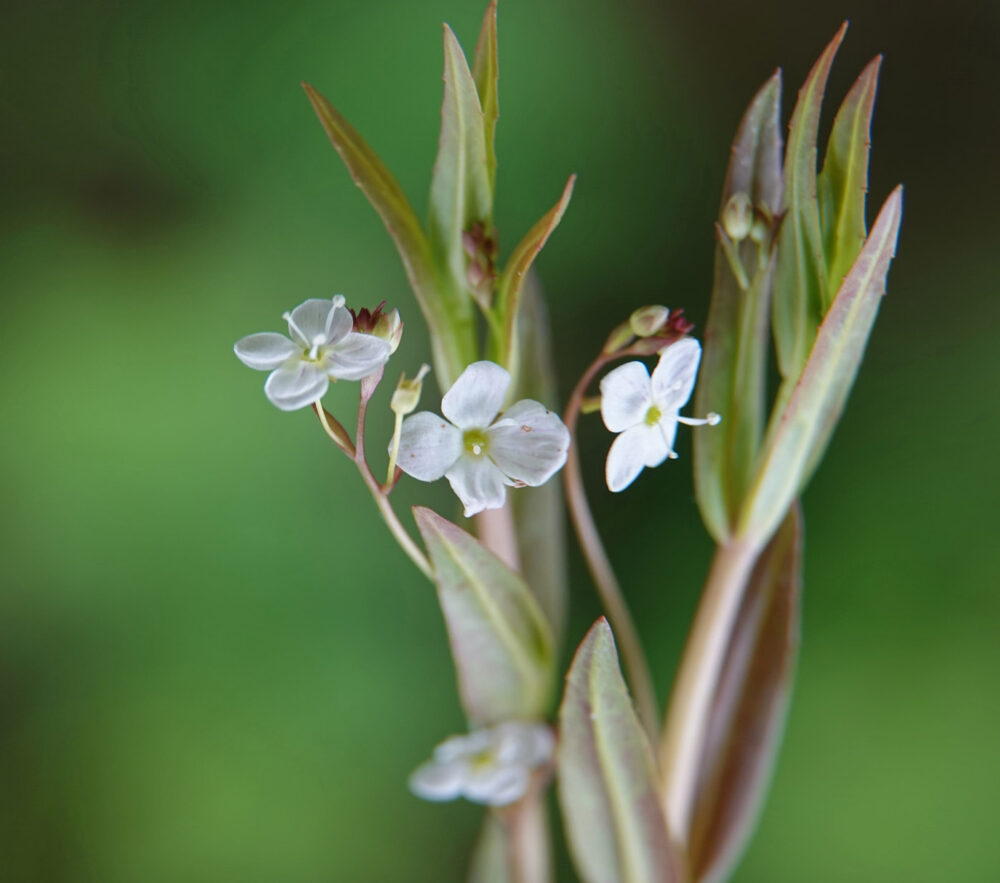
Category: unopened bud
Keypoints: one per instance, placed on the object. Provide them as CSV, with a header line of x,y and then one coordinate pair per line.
x,y
618,338
390,329
647,321
406,396
737,217
760,229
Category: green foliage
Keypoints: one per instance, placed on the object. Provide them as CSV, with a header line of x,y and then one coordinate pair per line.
x,y
500,641
486,71
843,183
736,335
461,193
512,279
606,775
799,433
800,276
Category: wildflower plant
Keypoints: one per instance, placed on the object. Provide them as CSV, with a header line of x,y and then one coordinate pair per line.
x,y
642,799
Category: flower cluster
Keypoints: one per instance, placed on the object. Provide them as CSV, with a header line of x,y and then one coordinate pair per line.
x,y
643,409
479,450
492,766
322,346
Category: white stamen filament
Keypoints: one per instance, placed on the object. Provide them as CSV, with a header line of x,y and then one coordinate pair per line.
x,y
712,419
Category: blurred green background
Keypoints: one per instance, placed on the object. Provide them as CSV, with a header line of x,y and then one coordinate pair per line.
x,y
214,665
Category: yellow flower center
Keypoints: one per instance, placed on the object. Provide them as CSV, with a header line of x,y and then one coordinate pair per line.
x,y
653,416
475,442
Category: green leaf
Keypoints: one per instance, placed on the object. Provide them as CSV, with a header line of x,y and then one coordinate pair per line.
x,y
799,433
388,199
486,72
800,275
842,186
749,708
732,377
513,276
539,512
500,641
606,775
461,195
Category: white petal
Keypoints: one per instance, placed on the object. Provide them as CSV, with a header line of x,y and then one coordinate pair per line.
x,y
668,426
308,321
438,781
625,396
529,442
477,396
674,374
497,784
478,483
356,356
266,351
634,449
296,385
518,742
456,747
428,446
340,321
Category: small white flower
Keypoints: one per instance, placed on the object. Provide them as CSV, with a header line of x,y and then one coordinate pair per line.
x,y
492,766
645,409
477,451
322,347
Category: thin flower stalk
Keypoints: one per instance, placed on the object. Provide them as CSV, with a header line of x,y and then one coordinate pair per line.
x,y
598,563
380,493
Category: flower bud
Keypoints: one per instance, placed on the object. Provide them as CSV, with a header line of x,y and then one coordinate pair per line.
x,y
647,321
406,396
390,329
737,217
620,337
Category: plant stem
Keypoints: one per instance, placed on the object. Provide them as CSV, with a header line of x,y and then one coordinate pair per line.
x,y
697,677
497,532
526,830
599,565
380,493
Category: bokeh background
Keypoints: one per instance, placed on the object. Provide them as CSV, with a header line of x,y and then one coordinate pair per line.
x,y
214,666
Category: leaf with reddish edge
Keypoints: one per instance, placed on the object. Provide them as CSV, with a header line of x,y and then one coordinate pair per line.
x,y
842,186
799,433
749,708
606,776
539,512
800,273
500,640
387,198
461,196
512,278
732,377
485,72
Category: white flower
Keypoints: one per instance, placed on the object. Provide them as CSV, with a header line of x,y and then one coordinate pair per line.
x,y
322,347
645,409
491,766
477,451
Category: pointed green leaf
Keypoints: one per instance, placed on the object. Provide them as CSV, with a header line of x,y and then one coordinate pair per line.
x,y
461,195
799,433
606,775
539,512
512,278
748,712
387,198
500,641
486,72
800,275
732,375
842,186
